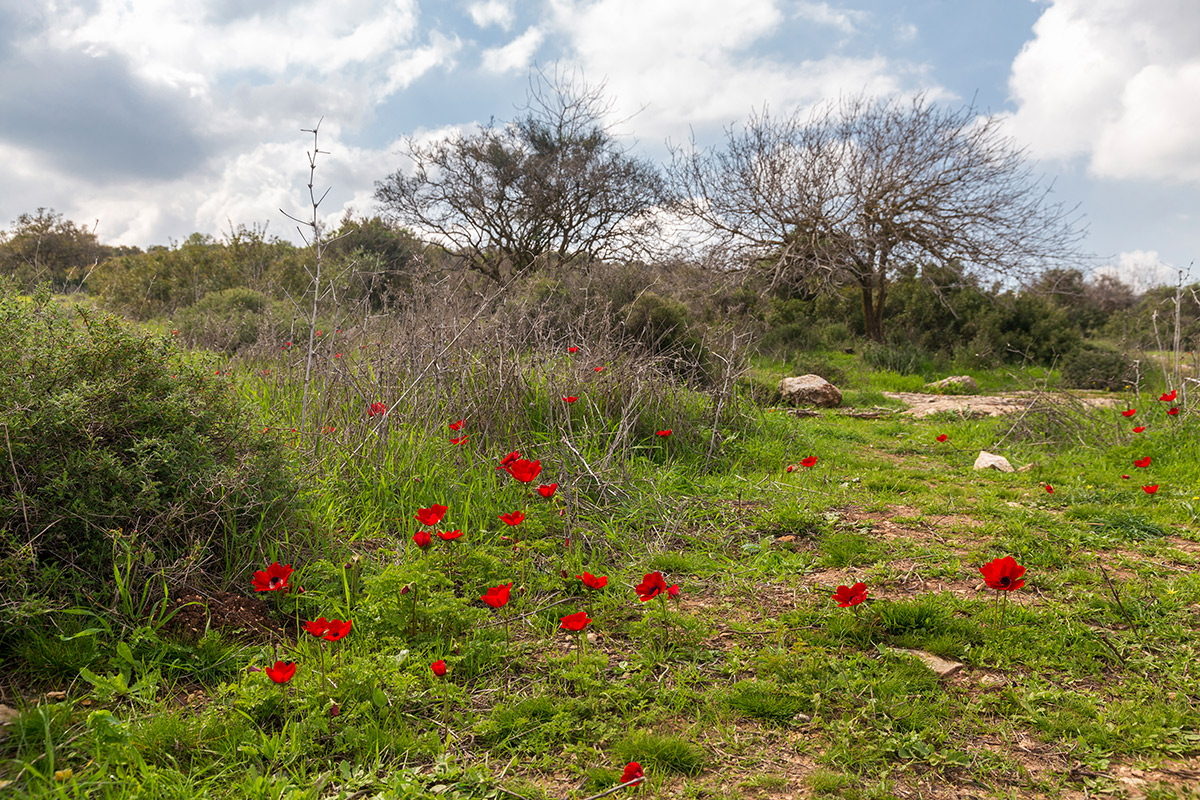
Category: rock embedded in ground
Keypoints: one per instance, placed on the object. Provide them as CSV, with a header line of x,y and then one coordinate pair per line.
x,y
961,384
810,390
987,460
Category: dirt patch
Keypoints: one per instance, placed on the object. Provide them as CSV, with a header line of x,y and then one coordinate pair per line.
x,y
982,405
246,619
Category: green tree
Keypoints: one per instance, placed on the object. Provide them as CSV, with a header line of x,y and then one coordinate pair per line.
x,y
43,247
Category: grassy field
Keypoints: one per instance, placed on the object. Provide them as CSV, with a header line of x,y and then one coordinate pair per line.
x,y
749,681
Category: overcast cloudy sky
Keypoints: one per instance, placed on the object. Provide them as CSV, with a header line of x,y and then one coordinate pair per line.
x,y
155,119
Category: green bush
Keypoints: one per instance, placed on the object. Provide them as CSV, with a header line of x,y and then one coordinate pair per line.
x,y
119,446
232,319
1095,366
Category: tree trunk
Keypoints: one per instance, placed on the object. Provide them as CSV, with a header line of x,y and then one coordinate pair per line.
x,y
872,305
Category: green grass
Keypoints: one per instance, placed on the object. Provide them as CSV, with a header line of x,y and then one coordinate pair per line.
x,y
752,682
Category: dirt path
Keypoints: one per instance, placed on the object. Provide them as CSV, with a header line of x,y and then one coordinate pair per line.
x,y
991,405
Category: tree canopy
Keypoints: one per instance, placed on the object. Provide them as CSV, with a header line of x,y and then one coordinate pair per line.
x,y
847,193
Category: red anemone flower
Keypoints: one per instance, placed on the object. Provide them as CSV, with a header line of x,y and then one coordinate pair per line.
x,y
1173,410
592,582
377,410
439,668
572,349
497,596
808,462
272,579
673,591
459,439
665,433
1142,462
847,596
431,516
513,518
509,459
317,627
1003,574
547,490
571,399
1129,412
1125,477
1150,489
633,772
282,672
943,437
598,369
1049,489
575,622
524,470
422,539
337,629
791,467
651,586
457,426
1169,396
449,536
1139,429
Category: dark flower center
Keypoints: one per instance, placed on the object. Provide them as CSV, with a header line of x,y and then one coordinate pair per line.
x,y
275,582
1005,581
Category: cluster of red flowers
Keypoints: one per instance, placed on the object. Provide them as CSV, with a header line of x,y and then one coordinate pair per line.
x,y
275,578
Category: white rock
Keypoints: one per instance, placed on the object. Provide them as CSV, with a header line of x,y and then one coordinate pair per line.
x,y
988,460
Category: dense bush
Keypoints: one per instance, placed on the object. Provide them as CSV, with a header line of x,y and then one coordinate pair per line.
x,y
233,319
113,437
1095,366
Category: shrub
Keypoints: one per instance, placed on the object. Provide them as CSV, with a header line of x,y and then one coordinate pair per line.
x,y
1095,366
116,440
233,319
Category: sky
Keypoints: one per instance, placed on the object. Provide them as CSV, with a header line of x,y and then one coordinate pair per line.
x,y
148,120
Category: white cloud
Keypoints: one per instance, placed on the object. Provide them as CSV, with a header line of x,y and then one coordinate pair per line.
x,y
1141,270
491,12
1115,82
515,56
674,63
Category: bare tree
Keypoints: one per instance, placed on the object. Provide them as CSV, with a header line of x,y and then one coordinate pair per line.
x,y
845,194
556,182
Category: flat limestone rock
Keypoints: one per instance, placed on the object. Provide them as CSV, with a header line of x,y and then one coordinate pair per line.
x,y
938,664
810,390
987,460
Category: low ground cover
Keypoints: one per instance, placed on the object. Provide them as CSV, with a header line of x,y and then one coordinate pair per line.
x,y
418,631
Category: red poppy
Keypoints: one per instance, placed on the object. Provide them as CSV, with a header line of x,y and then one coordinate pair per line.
x,y
847,596
1173,410
1003,574
808,462
422,539
1142,462
633,772
598,369
572,349
1125,477
273,579
574,622
449,536
439,668
377,410
317,627
508,460
337,630
665,433
1129,412
1049,489
459,440
673,591
524,470
791,467
651,586
1139,429
547,490
282,672
497,596
570,399
431,516
592,582
943,437
513,518
1150,489
1169,396
456,426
